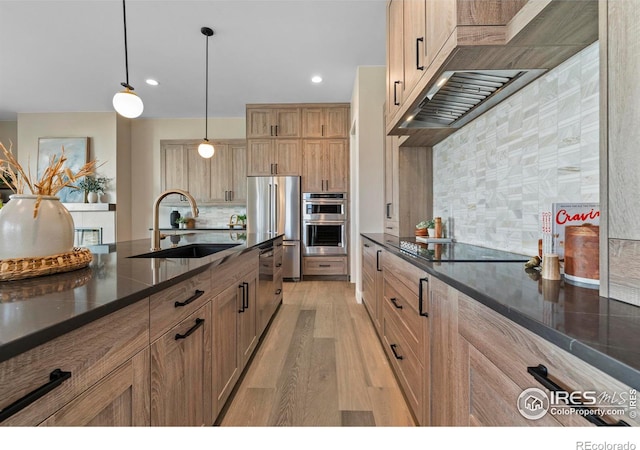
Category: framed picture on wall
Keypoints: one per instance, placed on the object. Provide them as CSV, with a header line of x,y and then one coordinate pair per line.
x,y
76,150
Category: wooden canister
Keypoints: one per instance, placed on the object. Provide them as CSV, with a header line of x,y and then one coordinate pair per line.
x,y
582,253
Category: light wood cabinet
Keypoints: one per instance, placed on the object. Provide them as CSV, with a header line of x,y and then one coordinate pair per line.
x,y
67,369
234,334
272,121
216,180
120,399
408,178
274,157
427,38
325,165
180,368
405,331
325,265
372,255
269,284
325,122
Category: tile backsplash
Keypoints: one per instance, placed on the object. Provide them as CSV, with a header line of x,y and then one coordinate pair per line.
x,y
494,177
208,217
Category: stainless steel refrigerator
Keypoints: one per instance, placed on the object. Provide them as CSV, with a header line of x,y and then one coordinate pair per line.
x,y
273,206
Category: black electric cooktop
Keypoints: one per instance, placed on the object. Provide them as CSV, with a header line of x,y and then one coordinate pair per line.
x,y
456,252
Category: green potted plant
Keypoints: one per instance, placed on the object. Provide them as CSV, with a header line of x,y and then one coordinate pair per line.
x,y
182,222
242,218
422,228
93,187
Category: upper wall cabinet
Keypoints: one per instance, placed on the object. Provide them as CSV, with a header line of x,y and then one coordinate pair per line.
x,y
325,122
220,179
273,121
429,40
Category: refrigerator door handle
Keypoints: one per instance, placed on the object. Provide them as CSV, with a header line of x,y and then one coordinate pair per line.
x,y
275,207
270,208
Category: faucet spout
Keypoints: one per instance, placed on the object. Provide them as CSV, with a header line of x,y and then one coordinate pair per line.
x,y
155,233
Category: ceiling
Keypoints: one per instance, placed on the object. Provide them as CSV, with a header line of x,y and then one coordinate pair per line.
x,y
68,56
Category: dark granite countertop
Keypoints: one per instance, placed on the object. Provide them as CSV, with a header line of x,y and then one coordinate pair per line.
x,y
601,331
36,310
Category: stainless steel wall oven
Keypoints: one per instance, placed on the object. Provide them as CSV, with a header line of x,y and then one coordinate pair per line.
x,y
324,224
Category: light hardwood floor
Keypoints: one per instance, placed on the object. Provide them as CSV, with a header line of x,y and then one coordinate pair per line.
x,y
320,364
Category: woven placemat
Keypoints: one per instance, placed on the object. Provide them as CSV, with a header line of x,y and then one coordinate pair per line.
x,y
21,268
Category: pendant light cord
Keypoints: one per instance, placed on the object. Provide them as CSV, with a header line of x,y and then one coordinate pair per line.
x,y
206,92
126,53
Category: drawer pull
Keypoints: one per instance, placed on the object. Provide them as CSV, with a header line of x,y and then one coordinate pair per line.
x,y
195,296
55,379
324,265
420,298
279,265
367,245
395,302
541,374
278,291
190,331
378,253
393,349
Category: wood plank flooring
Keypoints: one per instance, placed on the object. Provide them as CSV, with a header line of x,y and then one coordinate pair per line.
x,y
320,364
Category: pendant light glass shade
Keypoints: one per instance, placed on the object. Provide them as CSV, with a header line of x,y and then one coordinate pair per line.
x,y
205,149
128,104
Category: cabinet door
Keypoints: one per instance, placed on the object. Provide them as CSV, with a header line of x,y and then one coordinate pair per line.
x,y
221,177
336,123
395,59
120,399
414,42
174,169
239,184
287,122
199,174
312,122
260,123
441,21
391,185
180,364
336,166
313,166
226,362
247,326
287,157
260,157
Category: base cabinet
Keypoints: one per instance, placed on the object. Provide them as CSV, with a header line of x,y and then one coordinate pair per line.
x,y
180,362
325,265
372,255
226,359
120,399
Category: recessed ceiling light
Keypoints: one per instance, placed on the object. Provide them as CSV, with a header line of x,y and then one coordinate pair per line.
x,y
316,79
151,82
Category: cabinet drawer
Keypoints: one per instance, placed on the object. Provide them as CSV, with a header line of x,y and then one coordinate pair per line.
x,y
405,272
392,227
320,265
173,304
512,349
89,353
403,306
407,365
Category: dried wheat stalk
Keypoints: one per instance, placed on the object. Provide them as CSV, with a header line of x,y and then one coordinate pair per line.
x,y
54,178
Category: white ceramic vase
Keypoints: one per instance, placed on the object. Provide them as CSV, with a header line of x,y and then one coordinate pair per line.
x,y
22,235
432,232
92,197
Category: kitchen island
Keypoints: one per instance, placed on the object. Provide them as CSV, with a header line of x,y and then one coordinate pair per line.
x,y
129,306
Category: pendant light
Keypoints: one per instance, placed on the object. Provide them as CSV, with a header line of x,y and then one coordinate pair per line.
x,y
127,103
205,149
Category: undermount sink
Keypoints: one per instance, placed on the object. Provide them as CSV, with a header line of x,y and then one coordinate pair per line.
x,y
187,251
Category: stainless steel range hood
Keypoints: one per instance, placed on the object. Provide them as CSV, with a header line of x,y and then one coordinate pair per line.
x,y
462,95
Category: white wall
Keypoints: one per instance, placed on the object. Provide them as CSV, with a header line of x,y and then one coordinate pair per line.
x,y
367,161
9,134
146,135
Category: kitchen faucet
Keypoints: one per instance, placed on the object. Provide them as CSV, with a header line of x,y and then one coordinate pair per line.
x,y
155,233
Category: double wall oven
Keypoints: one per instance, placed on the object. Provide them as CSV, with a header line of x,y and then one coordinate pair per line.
x,y
324,223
